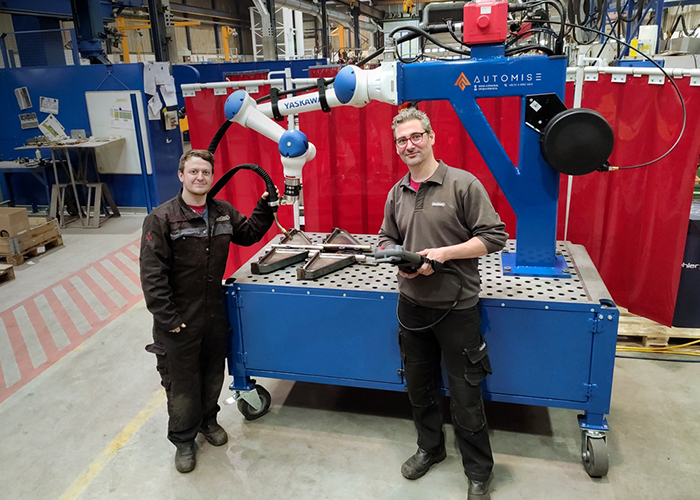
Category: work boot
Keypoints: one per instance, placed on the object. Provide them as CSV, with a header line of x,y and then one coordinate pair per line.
x,y
215,434
416,466
185,457
479,490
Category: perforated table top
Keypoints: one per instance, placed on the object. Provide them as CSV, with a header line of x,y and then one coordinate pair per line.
x,y
584,285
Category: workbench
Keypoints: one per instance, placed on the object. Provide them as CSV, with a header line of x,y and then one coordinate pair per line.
x,y
33,167
551,340
97,195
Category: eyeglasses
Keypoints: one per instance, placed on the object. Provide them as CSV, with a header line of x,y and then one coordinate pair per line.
x,y
416,139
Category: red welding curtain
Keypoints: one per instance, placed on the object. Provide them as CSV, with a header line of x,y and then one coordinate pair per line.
x,y
633,223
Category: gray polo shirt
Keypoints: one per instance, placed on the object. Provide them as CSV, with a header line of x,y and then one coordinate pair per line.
x,y
449,208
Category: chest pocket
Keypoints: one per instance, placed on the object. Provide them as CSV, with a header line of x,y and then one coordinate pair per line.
x,y
188,241
222,226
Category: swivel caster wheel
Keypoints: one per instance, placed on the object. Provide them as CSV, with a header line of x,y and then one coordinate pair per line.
x,y
595,456
247,409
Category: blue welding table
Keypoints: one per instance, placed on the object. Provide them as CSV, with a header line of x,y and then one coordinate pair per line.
x,y
551,340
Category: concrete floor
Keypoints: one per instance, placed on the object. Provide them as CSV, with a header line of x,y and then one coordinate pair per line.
x,y
93,426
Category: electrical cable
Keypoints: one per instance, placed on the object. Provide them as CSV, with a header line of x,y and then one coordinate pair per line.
x,y
666,360
445,270
269,186
431,38
452,33
661,349
528,48
661,359
524,34
670,79
559,46
684,28
636,16
218,136
218,185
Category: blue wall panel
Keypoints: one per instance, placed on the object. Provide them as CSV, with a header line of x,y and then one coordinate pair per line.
x,y
68,84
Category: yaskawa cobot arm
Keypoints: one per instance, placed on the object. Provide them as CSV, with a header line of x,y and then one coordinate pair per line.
x,y
293,145
352,87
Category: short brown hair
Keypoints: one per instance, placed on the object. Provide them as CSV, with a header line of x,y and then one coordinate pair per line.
x,y
199,153
408,114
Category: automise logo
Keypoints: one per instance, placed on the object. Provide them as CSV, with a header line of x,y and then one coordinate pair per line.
x,y
496,81
462,81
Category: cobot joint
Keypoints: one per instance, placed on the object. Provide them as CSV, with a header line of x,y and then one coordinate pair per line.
x,y
295,149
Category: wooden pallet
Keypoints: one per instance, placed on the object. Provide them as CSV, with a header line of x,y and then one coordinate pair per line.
x,y
30,243
7,273
652,333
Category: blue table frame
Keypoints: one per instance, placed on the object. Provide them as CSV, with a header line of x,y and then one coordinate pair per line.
x,y
37,170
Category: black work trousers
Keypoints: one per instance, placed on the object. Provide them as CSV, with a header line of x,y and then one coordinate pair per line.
x,y
458,338
191,367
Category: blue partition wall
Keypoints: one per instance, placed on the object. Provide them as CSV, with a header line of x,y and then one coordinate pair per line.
x,y
68,84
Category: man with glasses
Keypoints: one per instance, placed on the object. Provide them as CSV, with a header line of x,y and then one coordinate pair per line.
x,y
444,214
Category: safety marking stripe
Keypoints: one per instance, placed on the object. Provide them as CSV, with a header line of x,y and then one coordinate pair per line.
x,y
63,316
128,262
105,302
40,330
119,288
108,289
119,275
26,329
72,310
127,267
9,374
82,304
46,341
83,481
17,342
94,303
53,324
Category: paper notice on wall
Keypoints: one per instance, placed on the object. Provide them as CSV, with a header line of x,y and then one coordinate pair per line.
x,y
154,107
154,74
23,99
168,91
121,118
161,72
48,105
52,129
28,120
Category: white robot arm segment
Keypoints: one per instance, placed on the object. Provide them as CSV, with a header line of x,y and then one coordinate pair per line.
x,y
242,109
352,87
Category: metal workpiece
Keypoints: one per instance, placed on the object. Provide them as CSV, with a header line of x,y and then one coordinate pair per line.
x,y
278,258
321,264
336,251
360,276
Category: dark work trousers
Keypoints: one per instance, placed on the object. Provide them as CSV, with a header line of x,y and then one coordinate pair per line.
x,y
191,366
458,338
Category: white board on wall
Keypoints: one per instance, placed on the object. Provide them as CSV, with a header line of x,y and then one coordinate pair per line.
x,y
111,115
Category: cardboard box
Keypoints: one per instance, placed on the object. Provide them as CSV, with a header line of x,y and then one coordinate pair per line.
x,y
13,221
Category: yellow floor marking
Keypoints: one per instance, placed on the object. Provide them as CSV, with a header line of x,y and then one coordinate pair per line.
x,y
84,480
